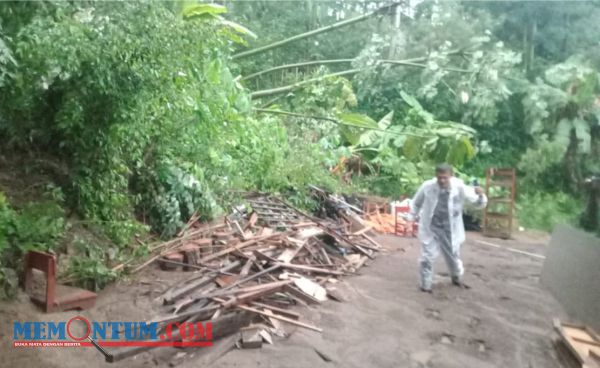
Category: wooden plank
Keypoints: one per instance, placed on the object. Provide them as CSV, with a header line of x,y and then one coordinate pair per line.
x,y
266,337
222,327
372,241
364,230
240,230
226,280
173,295
260,255
583,346
290,253
246,269
287,255
309,269
251,221
580,351
285,312
311,288
237,247
586,341
220,293
360,263
567,341
326,256
256,294
299,294
281,318
251,338
205,310
328,230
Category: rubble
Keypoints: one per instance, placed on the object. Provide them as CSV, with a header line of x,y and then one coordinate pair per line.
x,y
261,261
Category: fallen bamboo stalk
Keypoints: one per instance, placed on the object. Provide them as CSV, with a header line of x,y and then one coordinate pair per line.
x,y
314,32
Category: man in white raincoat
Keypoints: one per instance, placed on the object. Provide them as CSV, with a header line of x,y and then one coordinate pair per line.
x,y
438,205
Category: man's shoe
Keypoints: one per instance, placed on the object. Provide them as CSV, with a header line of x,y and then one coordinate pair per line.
x,y
456,281
425,290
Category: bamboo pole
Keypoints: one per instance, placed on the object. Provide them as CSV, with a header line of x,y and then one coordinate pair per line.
x,y
291,87
408,62
296,65
313,32
335,121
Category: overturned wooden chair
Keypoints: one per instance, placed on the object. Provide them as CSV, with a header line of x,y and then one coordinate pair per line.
x,y
57,297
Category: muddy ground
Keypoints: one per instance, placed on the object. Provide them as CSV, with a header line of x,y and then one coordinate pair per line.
x,y
504,320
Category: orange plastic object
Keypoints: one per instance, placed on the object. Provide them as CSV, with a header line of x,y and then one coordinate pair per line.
x,y
402,226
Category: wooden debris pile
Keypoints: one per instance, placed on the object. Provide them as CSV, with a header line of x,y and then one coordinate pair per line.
x,y
382,222
578,346
260,261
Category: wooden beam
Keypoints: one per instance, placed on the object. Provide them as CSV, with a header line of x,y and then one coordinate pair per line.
x,y
279,317
237,247
173,295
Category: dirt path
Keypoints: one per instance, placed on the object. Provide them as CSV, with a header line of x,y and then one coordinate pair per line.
x,y
503,321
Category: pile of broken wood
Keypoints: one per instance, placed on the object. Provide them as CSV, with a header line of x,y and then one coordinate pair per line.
x,y
256,263
577,345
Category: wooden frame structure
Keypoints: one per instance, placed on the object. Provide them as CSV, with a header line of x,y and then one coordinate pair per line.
x,y
499,213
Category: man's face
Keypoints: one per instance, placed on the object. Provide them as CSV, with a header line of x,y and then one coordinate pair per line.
x,y
443,178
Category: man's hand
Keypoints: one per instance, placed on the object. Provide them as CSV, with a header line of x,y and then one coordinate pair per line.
x,y
478,190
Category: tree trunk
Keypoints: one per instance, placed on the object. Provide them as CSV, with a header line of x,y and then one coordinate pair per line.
x,y
529,51
571,165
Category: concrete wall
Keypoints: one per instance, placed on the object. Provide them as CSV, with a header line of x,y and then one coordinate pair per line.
x,y
572,273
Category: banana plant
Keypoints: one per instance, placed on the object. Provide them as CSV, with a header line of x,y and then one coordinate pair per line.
x,y
418,137
234,31
563,111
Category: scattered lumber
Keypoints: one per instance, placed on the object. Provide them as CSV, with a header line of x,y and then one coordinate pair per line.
x,y
255,264
581,341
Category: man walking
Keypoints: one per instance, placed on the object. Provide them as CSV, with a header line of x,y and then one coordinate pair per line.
x,y
438,205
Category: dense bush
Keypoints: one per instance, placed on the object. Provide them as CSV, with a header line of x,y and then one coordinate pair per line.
x,y
544,210
37,226
115,96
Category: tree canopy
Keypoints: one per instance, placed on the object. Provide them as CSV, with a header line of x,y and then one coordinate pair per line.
x,y
145,113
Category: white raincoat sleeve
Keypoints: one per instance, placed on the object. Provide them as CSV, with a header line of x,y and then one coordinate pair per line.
x,y
478,202
417,202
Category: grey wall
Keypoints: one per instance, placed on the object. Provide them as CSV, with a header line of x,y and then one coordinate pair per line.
x,y
572,273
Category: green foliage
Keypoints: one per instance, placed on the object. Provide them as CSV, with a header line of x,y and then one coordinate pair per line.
x,y
535,162
404,152
140,102
116,94
172,196
7,218
37,226
89,267
6,60
200,10
562,112
544,210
